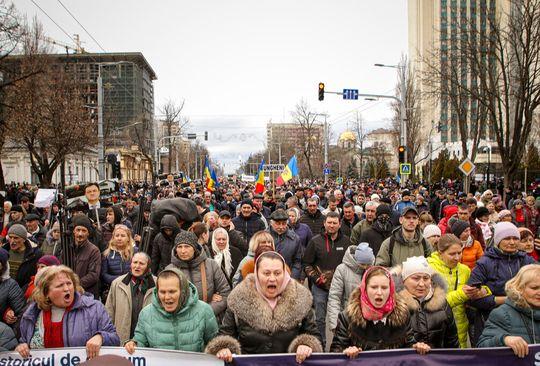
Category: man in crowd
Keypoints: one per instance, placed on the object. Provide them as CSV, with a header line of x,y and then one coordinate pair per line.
x,y
86,256
321,258
350,219
249,221
312,217
406,241
286,242
36,231
464,214
23,256
404,202
371,211
235,237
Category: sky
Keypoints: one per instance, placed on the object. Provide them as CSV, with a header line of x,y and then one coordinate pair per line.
x,y
241,63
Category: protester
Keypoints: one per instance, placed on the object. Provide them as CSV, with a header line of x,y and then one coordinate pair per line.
x,y
268,312
499,264
36,232
11,296
87,259
346,279
114,217
43,262
248,222
322,256
176,319
52,244
259,238
23,255
203,272
516,323
380,230
227,257
424,292
8,341
371,212
164,243
313,217
235,237
446,261
526,243
406,241
301,230
432,234
472,250
129,294
376,318
116,258
200,230
286,242
482,220
349,219
45,324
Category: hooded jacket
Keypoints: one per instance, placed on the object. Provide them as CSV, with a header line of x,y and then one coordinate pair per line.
x,y
119,304
448,213
216,282
163,244
347,278
51,246
354,330
288,245
86,318
375,235
8,341
456,298
432,319
510,319
189,328
250,326
402,248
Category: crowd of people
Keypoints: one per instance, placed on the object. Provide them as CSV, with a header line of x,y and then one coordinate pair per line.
x,y
298,269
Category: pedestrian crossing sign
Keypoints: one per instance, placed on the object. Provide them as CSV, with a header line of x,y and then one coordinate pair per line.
x,y
405,169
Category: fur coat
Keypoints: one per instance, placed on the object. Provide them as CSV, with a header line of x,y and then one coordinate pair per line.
x,y
250,326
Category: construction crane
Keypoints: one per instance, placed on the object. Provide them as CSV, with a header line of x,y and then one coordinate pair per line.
x,y
77,49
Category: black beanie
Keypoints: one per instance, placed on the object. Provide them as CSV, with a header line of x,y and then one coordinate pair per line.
x,y
481,211
459,227
382,209
82,220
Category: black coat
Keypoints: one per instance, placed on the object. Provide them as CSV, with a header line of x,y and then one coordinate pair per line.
x,y
315,222
248,226
432,320
11,296
354,330
374,236
28,267
251,327
163,244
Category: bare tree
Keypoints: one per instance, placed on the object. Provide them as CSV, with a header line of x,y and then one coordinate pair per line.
x,y
310,141
47,116
502,63
416,136
174,125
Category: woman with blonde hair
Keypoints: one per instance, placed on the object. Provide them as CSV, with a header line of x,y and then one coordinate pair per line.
x,y
516,323
260,237
116,259
62,316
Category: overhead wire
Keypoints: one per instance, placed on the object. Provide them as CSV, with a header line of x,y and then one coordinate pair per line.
x,y
82,26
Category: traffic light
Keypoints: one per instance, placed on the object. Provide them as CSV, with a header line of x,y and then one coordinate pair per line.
x,y
401,154
205,135
321,91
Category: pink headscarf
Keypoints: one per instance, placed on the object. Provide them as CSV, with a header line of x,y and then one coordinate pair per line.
x,y
286,279
369,311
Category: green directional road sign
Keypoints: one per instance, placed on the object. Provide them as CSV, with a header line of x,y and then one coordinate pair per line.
x,y
405,169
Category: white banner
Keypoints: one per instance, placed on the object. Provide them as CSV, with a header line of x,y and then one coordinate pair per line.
x,y
44,197
141,357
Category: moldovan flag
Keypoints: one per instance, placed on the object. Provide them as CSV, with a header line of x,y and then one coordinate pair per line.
x,y
210,176
291,170
259,180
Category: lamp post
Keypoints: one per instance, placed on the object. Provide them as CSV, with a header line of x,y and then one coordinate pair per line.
x,y
403,127
488,149
339,167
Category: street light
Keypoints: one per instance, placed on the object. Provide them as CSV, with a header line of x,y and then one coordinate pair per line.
x,y
339,167
403,127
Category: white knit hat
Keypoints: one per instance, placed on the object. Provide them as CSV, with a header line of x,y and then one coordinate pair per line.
x,y
431,230
415,265
375,197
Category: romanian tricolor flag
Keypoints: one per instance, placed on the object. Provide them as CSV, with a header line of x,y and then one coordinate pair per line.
x,y
259,180
211,181
291,170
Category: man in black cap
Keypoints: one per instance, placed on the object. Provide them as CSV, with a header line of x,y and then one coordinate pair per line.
x,y
286,241
37,232
406,241
264,211
235,237
248,222
404,202
86,256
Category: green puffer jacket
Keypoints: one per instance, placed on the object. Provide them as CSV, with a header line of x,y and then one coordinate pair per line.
x,y
511,319
190,328
456,298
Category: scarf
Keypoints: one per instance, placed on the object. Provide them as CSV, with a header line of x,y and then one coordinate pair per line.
x,y
140,284
468,243
222,257
383,225
286,279
370,312
53,332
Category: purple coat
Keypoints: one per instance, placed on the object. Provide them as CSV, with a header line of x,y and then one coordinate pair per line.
x,y
87,318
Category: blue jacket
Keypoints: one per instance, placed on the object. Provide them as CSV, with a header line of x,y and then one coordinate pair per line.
x,y
288,245
509,319
400,205
248,225
113,266
87,318
493,270
304,233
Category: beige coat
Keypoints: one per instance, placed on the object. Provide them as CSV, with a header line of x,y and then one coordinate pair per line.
x,y
119,305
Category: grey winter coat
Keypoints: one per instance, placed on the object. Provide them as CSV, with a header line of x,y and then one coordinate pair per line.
x,y
347,278
8,341
216,283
